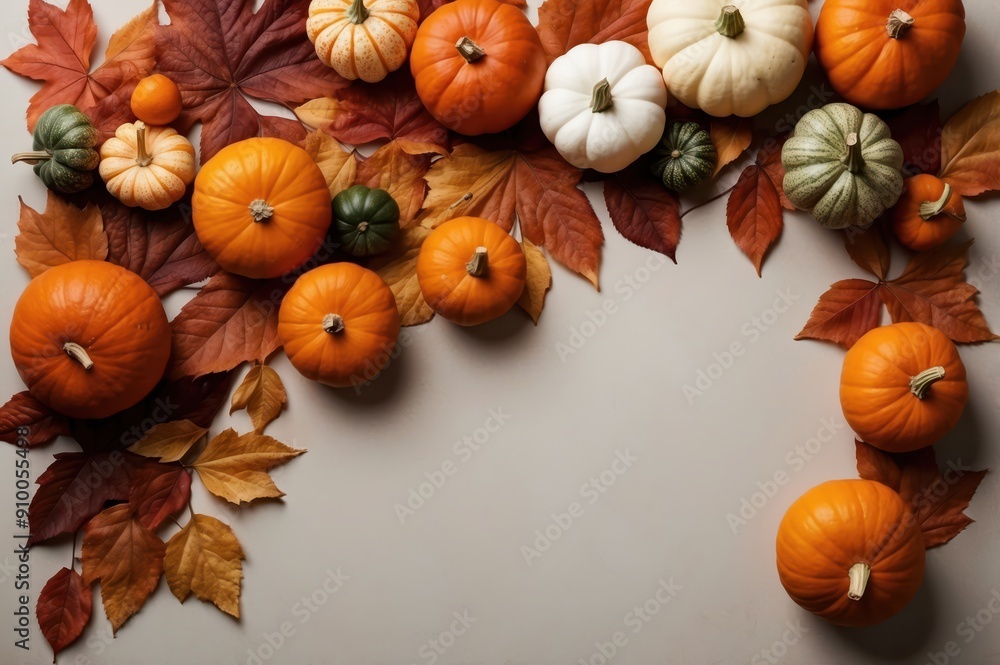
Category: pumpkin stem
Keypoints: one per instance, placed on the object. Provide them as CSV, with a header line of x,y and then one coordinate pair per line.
x,y
333,323
261,210
142,157
362,227
469,49
899,23
32,157
859,574
601,100
357,13
921,383
931,209
479,264
730,23
79,354
854,160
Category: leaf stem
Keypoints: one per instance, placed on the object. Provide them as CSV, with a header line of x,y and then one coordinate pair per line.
x,y
707,201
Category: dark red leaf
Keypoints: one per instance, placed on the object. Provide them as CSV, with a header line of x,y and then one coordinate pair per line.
x,y
562,24
918,130
24,417
844,313
63,609
869,249
158,491
643,211
754,215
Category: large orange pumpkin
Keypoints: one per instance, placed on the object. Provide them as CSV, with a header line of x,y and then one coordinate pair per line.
x,y
470,270
338,324
851,552
903,387
885,54
478,65
89,338
927,214
261,207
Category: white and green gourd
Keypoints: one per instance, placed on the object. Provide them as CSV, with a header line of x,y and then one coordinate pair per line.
x,y
843,165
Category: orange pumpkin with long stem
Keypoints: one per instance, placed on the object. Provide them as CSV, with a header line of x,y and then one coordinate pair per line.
x,y
470,270
851,552
928,213
338,324
89,338
479,66
261,207
903,386
887,54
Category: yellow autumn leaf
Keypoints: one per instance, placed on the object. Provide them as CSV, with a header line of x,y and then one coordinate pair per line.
x,y
262,394
338,165
401,174
398,268
205,558
234,466
169,442
61,234
537,282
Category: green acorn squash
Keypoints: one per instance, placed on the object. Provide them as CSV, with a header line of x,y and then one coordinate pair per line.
x,y
63,152
685,156
365,220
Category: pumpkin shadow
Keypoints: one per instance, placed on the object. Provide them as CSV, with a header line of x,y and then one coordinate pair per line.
x,y
900,638
496,335
380,389
964,443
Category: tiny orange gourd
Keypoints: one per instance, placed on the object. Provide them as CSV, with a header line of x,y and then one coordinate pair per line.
x,y
89,338
903,386
478,65
156,100
261,207
470,270
928,213
887,54
851,552
147,167
339,324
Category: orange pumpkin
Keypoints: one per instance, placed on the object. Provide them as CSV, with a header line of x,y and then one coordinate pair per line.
x,y
903,386
261,207
156,100
470,270
89,338
886,54
338,324
851,552
927,214
478,65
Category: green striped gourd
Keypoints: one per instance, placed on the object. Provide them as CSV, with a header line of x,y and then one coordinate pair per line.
x,y
843,165
63,155
685,156
366,220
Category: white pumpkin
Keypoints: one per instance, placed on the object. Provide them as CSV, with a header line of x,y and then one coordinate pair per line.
x,y
730,57
603,106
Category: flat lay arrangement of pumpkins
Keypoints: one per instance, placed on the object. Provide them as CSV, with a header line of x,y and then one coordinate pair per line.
x,y
90,338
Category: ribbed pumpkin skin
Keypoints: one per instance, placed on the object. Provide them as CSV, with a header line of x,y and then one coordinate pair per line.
x,y
817,177
376,210
274,171
685,157
354,355
69,137
911,228
159,184
446,283
875,71
836,525
875,387
492,93
109,311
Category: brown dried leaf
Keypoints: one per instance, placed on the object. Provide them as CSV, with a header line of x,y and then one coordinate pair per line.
x,y
169,442
401,174
537,281
731,137
205,557
643,211
970,147
234,466
339,166
61,234
24,417
754,214
398,268
262,395
844,313
562,24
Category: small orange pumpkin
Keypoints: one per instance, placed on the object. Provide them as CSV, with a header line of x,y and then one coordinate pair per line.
x,y
851,552
927,214
479,65
470,270
338,324
156,100
887,54
89,338
903,386
261,207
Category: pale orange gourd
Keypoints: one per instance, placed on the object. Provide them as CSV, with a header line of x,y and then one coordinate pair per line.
x,y
851,552
338,325
147,167
903,386
886,54
928,213
89,338
470,270
261,207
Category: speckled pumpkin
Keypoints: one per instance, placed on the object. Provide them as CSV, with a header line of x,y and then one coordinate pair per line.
x,y
685,156
843,165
